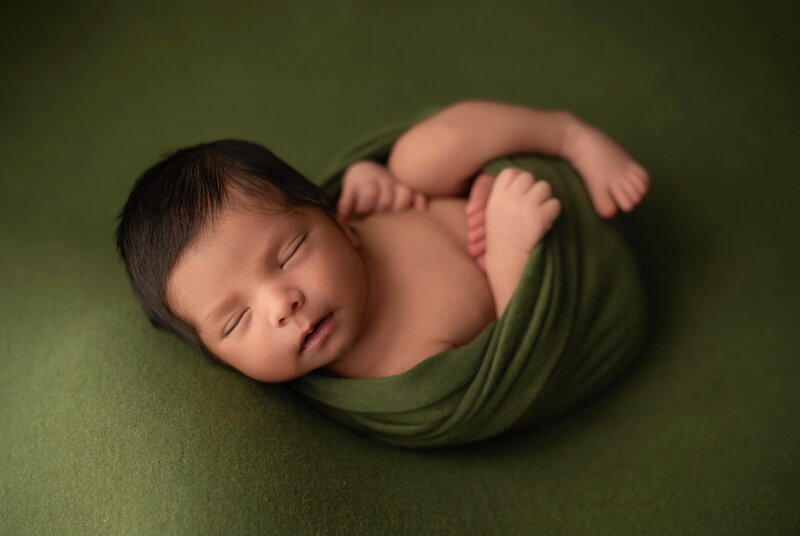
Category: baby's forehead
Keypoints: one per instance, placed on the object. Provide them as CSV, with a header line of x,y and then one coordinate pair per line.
x,y
273,214
238,204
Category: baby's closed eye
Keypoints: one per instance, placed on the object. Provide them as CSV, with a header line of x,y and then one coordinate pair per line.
x,y
294,250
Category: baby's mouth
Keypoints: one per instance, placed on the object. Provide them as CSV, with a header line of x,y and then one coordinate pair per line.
x,y
309,336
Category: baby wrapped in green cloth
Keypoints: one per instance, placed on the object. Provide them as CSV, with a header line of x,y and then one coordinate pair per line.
x,y
422,328
576,319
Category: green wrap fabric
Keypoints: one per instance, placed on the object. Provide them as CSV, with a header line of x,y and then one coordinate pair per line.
x,y
577,318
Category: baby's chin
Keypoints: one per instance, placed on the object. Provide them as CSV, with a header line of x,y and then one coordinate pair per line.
x,y
274,378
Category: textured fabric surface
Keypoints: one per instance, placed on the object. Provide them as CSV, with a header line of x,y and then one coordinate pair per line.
x,y
576,320
108,426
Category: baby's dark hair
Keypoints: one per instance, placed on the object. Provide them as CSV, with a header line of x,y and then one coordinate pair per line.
x,y
174,200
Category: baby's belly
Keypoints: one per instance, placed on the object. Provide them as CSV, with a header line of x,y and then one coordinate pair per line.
x,y
431,289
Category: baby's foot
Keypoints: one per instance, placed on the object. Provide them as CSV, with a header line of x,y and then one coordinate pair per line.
x,y
476,217
612,178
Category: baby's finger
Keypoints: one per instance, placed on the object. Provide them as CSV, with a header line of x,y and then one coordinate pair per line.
x,y
345,205
522,183
385,196
540,192
367,198
505,177
403,197
420,201
552,207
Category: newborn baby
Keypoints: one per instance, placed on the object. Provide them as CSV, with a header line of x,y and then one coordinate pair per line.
x,y
234,251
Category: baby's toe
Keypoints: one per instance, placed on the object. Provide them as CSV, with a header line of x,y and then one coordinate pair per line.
x,y
477,234
633,193
637,182
480,192
481,260
621,197
476,249
477,219
603,202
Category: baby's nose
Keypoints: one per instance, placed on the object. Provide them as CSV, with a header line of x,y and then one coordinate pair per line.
x,y
283,305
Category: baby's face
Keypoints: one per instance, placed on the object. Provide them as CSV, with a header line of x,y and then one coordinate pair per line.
x,y
273,276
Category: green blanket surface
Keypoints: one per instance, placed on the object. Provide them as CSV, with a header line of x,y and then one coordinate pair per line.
x,y
578,316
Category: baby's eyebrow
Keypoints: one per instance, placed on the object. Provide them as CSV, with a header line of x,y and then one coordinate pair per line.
x,y
219,310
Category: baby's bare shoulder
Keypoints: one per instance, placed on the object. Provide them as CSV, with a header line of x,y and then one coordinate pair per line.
x,y
427,293
444,217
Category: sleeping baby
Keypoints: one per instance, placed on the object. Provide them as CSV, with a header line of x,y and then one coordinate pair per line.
x,y
238,254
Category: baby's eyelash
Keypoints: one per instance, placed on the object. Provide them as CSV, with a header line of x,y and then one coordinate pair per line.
x,y
233,327
295,250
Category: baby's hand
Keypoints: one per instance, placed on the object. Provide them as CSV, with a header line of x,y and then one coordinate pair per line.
x,y
612,177
368,187
520,211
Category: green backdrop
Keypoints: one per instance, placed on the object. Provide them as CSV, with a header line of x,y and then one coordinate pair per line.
x,y
108,426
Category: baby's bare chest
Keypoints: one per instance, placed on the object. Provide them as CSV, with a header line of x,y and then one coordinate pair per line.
x,y
428,287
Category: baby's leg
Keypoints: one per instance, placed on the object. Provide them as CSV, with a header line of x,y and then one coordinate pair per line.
x,y
520,211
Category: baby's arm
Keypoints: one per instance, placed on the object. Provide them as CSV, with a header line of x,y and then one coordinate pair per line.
x,y
440,155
